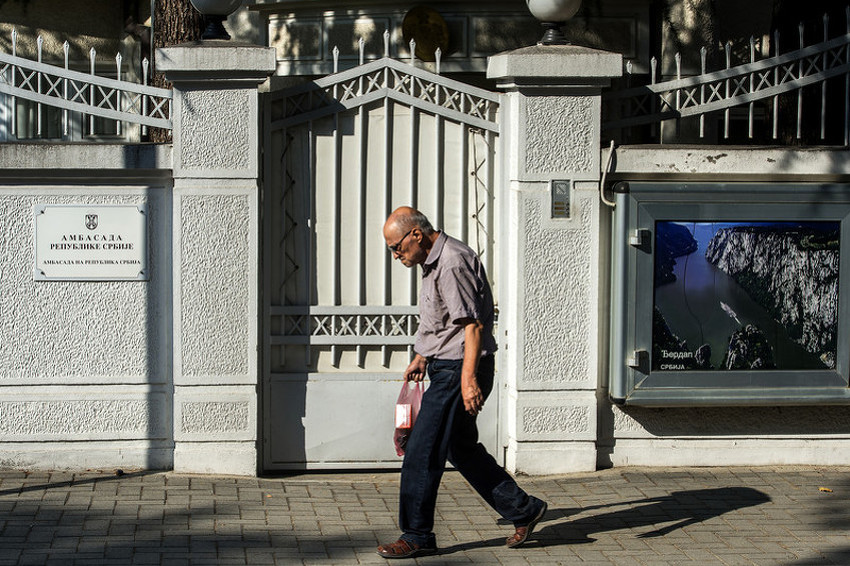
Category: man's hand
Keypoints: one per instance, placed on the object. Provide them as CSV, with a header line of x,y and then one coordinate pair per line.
x,y
473,399
416,370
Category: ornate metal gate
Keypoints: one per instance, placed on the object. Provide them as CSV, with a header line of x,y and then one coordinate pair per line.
x,y
339,315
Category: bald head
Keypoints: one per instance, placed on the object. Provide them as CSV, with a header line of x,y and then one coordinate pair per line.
x,y
409,235
405,218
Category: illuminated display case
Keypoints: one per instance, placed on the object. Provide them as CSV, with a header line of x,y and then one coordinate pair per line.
x,y
730,294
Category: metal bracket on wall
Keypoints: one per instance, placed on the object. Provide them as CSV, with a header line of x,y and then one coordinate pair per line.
x,y
637,359
639,238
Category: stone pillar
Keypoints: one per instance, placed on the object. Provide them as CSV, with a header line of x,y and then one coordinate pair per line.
x,y
550,282
215,249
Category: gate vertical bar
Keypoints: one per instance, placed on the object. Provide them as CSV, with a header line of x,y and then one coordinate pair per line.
x,y
414,183
92,54
145,65
653,73
823,82
336,205
847,83
388,196
14,83
463,181
678,59
117,92
776,83
311,246
440,166
388,187
387,181
800,91
703,52
751,109
38,106
728,48
362,156
336,226
65,48
490,144
414,179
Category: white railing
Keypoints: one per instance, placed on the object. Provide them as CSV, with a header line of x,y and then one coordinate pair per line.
x,y
82,98
743,86
404,83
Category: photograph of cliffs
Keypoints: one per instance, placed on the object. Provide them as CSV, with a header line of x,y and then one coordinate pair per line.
x,y
745,295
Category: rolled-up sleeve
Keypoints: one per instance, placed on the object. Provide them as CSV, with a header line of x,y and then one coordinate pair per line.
x,y
461,294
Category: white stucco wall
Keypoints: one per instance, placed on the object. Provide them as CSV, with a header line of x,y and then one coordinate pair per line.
x,y
84,360
216,251
550,266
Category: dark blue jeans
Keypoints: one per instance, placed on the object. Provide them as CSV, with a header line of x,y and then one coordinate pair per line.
x,y
445,431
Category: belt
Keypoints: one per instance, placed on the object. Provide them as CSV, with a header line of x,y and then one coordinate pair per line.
x,y
430,359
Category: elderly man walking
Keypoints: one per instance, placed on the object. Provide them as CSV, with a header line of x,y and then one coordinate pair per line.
x,y
455,345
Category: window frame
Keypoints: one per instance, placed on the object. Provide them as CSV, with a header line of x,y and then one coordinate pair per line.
x,y
639,205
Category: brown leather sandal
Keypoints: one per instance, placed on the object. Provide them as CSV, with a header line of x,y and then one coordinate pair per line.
x,y
522,533
404,549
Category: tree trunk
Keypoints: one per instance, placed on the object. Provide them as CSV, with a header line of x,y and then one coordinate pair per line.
x,y
687,27
174,22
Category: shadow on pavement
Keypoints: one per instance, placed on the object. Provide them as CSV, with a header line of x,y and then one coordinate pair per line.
x,y
72,482
684,508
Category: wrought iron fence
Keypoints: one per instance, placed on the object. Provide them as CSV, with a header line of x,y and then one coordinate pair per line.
x,y
88,104
758,90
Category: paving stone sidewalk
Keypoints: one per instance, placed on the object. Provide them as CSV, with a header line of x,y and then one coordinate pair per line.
x,y
784,516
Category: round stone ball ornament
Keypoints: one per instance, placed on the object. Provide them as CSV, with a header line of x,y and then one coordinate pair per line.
x,y
553,14
215,12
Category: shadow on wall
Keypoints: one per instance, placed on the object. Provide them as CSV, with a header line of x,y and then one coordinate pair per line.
x,y
245,26
146,162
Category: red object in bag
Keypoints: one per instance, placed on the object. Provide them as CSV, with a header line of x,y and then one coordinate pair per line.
x,y
406,411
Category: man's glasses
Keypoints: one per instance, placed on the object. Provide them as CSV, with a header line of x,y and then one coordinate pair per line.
x,y
394,248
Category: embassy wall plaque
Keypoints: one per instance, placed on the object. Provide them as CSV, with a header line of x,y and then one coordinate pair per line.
x,y
90,243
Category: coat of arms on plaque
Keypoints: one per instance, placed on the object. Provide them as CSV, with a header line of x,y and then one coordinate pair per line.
x,y
91,221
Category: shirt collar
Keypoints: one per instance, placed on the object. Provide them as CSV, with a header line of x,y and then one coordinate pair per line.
x,y
435,252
